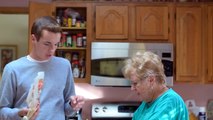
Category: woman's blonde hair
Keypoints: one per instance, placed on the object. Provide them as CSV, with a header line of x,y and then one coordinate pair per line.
x,y
144,64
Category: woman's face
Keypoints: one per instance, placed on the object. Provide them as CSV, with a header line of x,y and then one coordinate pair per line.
x,y
44,48
142,86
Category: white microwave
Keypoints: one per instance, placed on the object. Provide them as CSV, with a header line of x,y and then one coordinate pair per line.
x,y
107,59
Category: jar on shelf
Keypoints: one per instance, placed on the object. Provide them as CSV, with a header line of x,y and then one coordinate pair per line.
x,y
84,41
78,24
74,40
69,21
68,56
58,19
82,66
82,62
76,71
79,40
75,59
83,24
82,72
63,39
73,22
69,41
65,21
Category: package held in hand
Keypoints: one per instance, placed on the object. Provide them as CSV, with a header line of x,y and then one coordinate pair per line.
x,y
34,94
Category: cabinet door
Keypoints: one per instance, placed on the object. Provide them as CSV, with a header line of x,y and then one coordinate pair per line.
x,y
111,22
210,43
37,10
188,44
152,22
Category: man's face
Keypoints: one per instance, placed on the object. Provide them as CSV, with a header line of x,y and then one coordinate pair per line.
x,y
44,48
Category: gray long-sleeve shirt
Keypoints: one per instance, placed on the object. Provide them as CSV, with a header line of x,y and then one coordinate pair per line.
x,y
54,99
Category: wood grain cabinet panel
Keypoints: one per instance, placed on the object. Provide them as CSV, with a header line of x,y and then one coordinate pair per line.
x,y
111,22
188,44
152,22
210,44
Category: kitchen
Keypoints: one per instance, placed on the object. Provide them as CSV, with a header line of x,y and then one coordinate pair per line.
x,y
197,91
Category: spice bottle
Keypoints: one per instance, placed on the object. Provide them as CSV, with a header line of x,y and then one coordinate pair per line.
x,y
74,40
84,41
76,71
58,19
69,41
79,40
69,22
64,38
202,113
73,21
82,74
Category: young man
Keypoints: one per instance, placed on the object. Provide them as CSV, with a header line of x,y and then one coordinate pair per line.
x,y
57,98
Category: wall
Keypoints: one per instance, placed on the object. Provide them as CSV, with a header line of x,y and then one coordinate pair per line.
x,y
14,30
19,3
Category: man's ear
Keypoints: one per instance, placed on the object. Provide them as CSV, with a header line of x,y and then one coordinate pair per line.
x,y
33,38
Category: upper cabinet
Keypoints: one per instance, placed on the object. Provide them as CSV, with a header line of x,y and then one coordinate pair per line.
x,y
132,22
111,22
209,43
152,22
189,67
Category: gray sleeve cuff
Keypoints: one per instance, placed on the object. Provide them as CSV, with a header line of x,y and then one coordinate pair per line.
x,y
69,110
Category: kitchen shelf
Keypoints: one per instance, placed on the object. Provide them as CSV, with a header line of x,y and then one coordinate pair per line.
x,y
73,28
71,48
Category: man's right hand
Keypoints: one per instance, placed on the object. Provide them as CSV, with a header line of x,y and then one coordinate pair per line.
x,y
23,112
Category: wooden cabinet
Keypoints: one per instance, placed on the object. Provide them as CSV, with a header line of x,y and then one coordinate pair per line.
x,y
132,21
209,45
191,31
189,57
37,10
77,54
111,22
152,22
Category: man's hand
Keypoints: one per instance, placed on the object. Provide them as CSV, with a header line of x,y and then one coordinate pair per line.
x,y
24,112
77,102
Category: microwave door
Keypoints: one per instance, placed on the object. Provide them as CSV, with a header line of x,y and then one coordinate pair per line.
x,y
109,67
108,71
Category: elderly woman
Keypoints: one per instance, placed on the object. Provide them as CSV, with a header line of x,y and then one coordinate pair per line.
x,y
146,73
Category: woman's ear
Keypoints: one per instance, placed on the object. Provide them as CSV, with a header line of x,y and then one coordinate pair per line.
x,y
151,80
